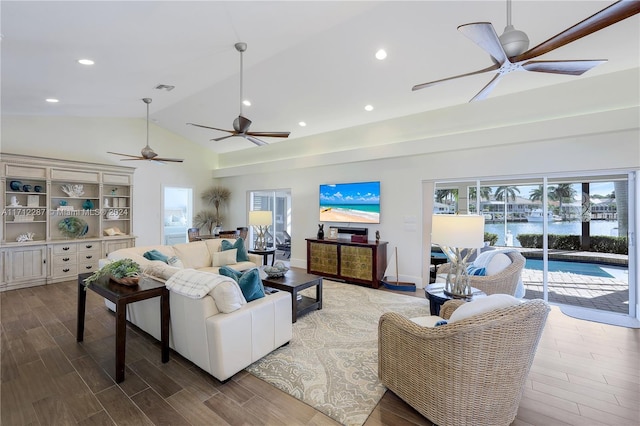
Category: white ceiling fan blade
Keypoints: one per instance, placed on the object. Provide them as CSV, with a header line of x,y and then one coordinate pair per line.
x,y
169,160
136,157
223,138
254,140
577,67
484,35
487,89
433,83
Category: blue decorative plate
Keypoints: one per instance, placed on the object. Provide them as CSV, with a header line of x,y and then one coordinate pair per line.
x,y
15,185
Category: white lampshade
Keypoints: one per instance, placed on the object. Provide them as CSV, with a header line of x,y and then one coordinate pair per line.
x,y
260,218
461,231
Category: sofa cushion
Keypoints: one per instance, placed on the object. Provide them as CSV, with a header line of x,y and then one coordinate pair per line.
x,y
241,254
193,255
482,305
249,281
222,258
155,255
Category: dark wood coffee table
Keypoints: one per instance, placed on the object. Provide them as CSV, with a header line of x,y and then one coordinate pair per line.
x,y
294,281
436,296
121,295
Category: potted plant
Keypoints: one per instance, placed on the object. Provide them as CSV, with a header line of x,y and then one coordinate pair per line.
x,y
206,219
217,196
123,271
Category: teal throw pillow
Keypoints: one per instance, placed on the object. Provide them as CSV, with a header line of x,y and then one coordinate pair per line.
x,y
241,255
155,255
249,281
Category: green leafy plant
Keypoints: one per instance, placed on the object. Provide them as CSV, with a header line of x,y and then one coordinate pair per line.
x,y
123,268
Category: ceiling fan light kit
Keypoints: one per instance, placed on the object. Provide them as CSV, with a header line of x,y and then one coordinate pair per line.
x,y
241,124
509,51
147,153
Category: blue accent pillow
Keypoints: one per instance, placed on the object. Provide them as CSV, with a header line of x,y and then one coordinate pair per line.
x,y
155,255
474,270
249,281
439,323
241,255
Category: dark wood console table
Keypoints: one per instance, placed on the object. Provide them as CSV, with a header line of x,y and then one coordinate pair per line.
x,y
357,263
121,295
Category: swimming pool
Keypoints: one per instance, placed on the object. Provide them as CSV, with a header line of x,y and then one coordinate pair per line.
x,y
591,269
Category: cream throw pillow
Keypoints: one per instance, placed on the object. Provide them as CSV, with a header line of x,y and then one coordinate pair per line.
x,y
223,258
482,305
194,255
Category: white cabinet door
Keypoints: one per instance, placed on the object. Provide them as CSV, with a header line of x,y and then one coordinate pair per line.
x,y
26,264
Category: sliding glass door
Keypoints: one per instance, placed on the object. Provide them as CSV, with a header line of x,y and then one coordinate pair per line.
x,y
573,230
279,203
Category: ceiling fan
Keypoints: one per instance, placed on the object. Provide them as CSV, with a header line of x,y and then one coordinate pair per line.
x,y
509,51
241,123
147,153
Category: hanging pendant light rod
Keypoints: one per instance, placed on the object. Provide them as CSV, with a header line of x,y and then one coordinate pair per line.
x,y
241,47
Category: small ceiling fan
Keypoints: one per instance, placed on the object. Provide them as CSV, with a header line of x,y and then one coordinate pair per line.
x,y
147,153
509,51
241,123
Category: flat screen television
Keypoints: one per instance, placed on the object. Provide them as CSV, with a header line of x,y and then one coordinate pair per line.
x,y
357,202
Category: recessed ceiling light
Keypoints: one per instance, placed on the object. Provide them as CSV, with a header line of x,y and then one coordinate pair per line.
x,y
368,108
85,61
381,54
246,102
52,100
302,124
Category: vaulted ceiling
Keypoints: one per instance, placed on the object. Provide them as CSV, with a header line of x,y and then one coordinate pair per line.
x,y
310,61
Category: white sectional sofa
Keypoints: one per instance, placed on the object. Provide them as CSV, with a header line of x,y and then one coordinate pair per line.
x,y
220,343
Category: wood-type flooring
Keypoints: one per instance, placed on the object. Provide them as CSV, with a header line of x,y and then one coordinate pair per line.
x,y
584,373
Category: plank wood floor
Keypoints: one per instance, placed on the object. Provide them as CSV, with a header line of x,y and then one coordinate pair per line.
x,y
584,373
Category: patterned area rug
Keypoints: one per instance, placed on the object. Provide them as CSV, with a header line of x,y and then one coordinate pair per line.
x,y
332,360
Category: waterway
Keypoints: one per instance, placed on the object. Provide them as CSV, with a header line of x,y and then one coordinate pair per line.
x,y
598,227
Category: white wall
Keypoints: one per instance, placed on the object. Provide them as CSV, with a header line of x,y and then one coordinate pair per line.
x,y
89,139
401,183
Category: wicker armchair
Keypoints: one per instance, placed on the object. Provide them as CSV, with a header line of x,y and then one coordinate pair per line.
x,y
470,372
506,281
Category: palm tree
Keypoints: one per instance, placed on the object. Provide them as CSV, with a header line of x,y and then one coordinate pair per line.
x,y
622,206
563,192
504,193
485,192
218,197
446,196
538,193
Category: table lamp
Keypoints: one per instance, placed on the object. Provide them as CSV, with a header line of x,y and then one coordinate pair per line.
x,y
261,220
453,233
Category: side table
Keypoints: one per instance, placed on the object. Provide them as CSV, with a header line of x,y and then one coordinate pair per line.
x,y
121,295
265,254
436,296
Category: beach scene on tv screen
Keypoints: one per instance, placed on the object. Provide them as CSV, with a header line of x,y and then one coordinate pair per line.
x,y
350,202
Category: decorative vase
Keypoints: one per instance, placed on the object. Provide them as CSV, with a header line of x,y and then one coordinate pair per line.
x,y
321,231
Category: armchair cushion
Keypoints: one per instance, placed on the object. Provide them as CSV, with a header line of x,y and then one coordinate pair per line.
x,y
482,305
